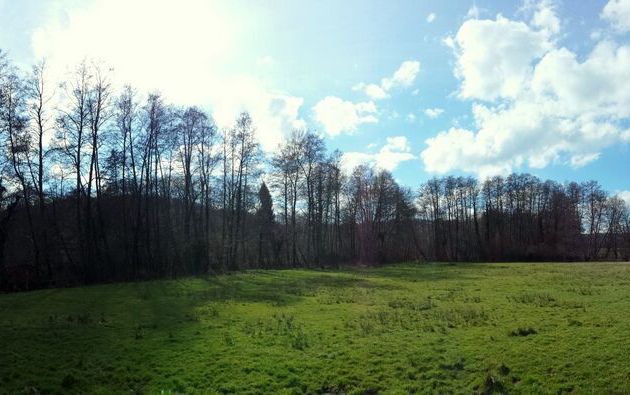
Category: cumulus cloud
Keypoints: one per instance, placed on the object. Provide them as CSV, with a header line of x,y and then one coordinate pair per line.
x,y
431,17
374,91
395,151
433,112
473,12
617,13
625,196
186,62
337,115
404,77
545,17
535,102
495,57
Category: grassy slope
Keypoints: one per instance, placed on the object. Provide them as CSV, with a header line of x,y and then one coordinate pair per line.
x,y
402,328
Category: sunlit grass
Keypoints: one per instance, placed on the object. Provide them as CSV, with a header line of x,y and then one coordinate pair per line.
x,y
401,328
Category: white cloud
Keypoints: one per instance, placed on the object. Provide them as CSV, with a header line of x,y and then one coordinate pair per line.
x,y
395,151
433,112
495,57
338,116
473,12
431,17
543,103
617,12
375,92
404,77
397,143
545,17
186,61
411,117
592,88
625,196
350,160
449,41
444,150
581,160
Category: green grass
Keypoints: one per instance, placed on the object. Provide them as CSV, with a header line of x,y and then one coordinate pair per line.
x,y
397,329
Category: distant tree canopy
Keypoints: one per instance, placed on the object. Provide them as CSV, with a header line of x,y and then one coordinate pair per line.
x,y
104,186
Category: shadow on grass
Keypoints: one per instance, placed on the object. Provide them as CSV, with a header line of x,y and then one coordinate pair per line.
x,y
282,287
55,338
82,340
416,272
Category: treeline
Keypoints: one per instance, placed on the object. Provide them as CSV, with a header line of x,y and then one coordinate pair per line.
x,y
521,217
98,185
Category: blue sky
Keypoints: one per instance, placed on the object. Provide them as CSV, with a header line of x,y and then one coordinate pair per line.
x,y
421,88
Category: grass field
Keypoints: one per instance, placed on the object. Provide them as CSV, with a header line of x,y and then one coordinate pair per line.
x,y
397,329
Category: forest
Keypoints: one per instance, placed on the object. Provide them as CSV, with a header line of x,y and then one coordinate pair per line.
x,y
100,184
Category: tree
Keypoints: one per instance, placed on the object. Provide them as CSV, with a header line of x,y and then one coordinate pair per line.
x,y
14,127
267,252
207,158
287,179
72,126
241,156
38,98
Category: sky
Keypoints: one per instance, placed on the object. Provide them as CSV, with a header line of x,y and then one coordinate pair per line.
x,y
420,88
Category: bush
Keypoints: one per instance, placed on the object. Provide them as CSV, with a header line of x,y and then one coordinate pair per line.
x,y
68,381
524,331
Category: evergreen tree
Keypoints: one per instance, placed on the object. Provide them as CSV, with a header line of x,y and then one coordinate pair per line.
x,y
265,216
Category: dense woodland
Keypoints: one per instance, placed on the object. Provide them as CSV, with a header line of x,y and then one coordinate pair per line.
x,y
99,185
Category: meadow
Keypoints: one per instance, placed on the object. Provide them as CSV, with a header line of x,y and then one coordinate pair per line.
x,y
407,328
